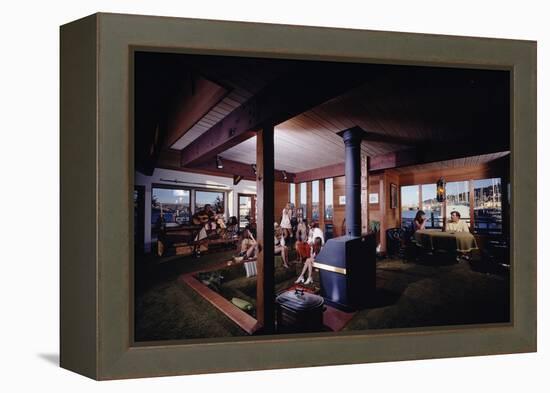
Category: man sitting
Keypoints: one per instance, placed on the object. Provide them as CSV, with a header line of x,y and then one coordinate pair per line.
x,y
456,225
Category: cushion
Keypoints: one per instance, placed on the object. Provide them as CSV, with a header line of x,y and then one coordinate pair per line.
x,y
242,304
250,268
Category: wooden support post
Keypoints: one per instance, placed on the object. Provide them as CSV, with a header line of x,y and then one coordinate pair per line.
x,y
383,213
471,200
364,193
265,186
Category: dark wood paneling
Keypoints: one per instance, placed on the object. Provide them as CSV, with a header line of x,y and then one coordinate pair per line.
x,y
339,210
393,216
320,173
282,197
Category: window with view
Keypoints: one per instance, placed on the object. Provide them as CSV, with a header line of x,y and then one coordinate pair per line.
x,y
315,200
169,206
303,199
458,199
488,205
213,198
430,206
329,197
292,195
410,199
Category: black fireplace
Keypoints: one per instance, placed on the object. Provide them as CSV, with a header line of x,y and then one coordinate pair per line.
x,y
347,264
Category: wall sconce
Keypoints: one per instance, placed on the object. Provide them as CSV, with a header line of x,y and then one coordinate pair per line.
x,y
254,169
285,177
440,190
219,163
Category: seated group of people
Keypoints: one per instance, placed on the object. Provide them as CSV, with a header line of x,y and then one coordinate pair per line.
x,y
309,240
455,225
213,224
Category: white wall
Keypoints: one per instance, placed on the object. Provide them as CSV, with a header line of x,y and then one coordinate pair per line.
x,y
206,181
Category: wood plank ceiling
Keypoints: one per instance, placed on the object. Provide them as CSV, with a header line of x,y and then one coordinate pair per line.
x,y
398,106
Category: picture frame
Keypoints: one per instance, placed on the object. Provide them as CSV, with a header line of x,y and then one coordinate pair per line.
x,y
373,198
96,268
393,196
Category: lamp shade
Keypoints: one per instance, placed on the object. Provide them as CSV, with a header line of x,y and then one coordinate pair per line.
x,y
440,190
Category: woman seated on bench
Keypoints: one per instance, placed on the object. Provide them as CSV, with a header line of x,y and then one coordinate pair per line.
x,y
248,245
280,247
302,248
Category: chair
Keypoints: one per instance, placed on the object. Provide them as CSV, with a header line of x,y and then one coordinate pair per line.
x,y
394,240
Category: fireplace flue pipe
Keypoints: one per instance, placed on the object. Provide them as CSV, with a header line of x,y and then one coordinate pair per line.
x,y
352,140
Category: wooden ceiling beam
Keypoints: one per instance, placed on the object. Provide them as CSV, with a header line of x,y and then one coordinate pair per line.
x,y
289,95
191,105
334,170
170,159
428,154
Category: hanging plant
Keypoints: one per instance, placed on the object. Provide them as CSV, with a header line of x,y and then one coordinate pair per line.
x,y
374,226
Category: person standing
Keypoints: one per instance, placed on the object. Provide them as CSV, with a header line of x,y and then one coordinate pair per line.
x,y
286,226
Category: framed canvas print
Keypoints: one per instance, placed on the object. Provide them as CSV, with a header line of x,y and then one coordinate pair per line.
x,y
218,180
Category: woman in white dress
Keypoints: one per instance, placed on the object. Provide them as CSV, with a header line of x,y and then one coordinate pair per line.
x,y
285,221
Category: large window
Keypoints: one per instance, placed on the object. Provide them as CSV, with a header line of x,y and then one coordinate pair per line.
x,y
410,203
315,200
213,198
292,193
303,199
458,199
431,206
329,198
245,210
488,205
169,206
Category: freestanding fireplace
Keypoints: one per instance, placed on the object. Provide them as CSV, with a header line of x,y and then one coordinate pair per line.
x,y
347,263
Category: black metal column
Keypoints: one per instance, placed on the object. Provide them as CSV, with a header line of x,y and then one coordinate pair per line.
x,y
352,140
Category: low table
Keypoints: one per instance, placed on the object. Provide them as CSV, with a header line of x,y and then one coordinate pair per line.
x,y
435,239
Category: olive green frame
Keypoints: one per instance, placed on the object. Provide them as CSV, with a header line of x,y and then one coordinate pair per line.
x,y
97,176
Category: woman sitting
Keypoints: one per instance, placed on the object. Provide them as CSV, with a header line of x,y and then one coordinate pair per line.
x,y
308,265
314,233
302,248
248,245
280,247
419,221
